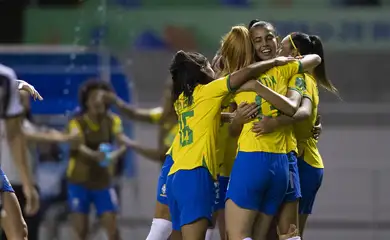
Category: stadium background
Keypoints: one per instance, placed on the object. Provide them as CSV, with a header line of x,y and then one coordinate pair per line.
x,y
130,42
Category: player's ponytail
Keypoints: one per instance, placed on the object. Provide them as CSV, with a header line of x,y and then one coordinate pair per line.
x,y
236,50
319,71
186,72
312,44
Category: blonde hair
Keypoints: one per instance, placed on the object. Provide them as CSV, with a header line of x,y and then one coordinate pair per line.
x,y
236,50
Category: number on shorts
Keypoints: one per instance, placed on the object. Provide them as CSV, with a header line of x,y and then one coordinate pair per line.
x,y
186,136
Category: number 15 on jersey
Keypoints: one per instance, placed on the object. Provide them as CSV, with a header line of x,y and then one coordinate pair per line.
x,y
186,137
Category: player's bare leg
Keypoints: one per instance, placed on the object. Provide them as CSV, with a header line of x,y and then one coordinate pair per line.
x,y
210,230
110,224
262,226
80,226
239,221
175,235
12,220
302,223
273,230
288,216
221,224
196,230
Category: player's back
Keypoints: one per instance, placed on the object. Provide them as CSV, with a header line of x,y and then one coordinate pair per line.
x,y
199,119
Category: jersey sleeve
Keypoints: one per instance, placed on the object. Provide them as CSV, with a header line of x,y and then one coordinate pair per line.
x,y
218,88
290,69
297,83
117,126
10,103
156,113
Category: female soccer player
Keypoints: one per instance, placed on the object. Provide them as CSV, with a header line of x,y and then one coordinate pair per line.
x,y
264,38
166,119
11,115
231,57
90,170
260,32
32,134
269,149
309,162
197,100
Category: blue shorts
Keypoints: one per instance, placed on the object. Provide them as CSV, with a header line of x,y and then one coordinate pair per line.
x,y
191,196
259,181
221,188
162,180
294,188
311,180
4,183
80,199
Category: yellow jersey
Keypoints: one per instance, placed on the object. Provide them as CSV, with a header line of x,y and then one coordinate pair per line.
x,y
85,171
307,145
195,144
226,144
296,83
276,79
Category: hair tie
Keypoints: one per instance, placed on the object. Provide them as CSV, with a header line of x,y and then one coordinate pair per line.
x,y
293,44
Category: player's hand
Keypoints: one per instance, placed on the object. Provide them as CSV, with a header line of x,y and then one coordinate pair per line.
x,y
32,200
292,233
74,138
100,156
109,97
245,112
23,85
266,125
317,129
279,61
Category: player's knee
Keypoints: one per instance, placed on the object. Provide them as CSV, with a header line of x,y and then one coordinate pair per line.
x,y
162,211
81,232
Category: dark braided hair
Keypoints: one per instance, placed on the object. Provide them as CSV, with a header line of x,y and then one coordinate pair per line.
x,y
186,71
86,89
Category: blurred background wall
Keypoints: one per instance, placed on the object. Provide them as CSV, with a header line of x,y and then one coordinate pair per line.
x,y
59,44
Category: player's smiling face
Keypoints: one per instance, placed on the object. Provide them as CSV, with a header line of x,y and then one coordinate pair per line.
x,y
264,41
